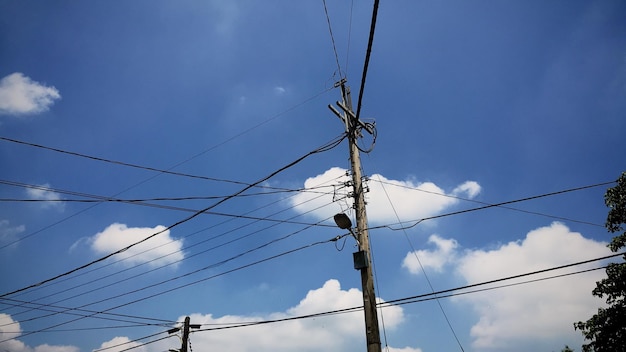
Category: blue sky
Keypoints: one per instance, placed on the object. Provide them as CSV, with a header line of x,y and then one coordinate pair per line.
x,y
474,102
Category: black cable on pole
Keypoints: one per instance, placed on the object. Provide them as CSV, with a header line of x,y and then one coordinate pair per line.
x,y
367,58
324,148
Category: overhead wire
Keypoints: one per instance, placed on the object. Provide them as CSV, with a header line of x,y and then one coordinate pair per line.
x,y
187,284
368,53
332,39
275,116
349,36
324,148
502,206
418,221
420,298
131,341
145,203
161,267
402,301
92,198
184,249
432,289
181,250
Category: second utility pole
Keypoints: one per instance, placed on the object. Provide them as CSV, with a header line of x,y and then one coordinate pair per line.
x,y
363,257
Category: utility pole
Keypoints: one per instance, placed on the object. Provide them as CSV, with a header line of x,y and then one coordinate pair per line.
x,y
185,337
183,348
362,258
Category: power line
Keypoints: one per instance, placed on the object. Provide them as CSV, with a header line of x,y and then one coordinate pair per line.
x,y
416,222
294,107
161,267
324,148
97,198
168,171
432,289
421,298
500,206
332,38
144,202
127,342
405,300
185,285
185,249
367,58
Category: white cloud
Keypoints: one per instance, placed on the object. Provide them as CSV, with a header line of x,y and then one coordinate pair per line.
x,y
444,253
280,90
341,332
411,200
541,311
10,330
122,343
9,234
19,95
469,188
406,349
159,250
43,193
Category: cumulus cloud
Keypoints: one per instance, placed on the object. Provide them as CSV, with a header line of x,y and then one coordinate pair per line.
x,y
10,330
122,343
411,200
543,310
341,332
9,233
42,192
444,252
159,250
20,95
540,310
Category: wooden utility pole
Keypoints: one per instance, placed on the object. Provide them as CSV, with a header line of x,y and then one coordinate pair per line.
x,y
362,258
185,338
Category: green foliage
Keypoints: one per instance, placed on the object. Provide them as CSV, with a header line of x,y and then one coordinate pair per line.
x,y
606,330
567,349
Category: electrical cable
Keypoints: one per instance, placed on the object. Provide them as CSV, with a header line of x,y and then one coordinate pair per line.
x,y
127,342
416,222
504,207
420,298
93,328
183,249
160,171
47,307
509,278
332,39
324,148
367,58
171,263
161,267
406,300
349,36
92,198
168,171
186,285
432,289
